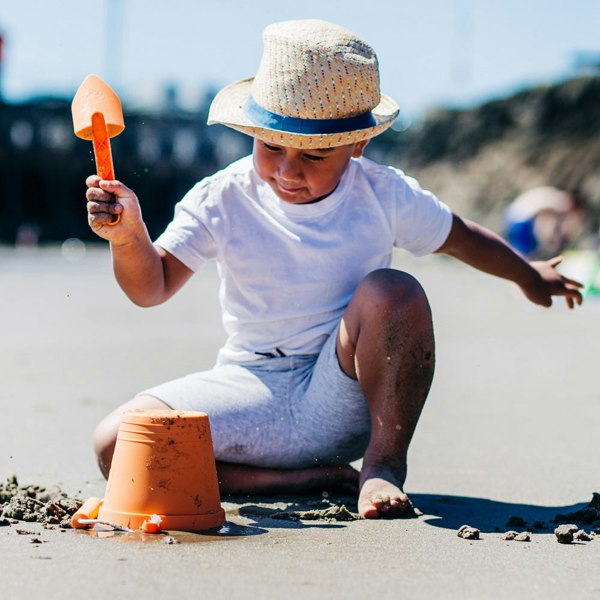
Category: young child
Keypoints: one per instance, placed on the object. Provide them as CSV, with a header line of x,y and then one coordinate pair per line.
x,y
330,352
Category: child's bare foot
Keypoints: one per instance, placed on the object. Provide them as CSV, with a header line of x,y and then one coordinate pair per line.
x,y
381,492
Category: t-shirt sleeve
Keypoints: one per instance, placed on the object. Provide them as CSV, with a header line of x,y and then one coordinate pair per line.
x,y
189,237
422,221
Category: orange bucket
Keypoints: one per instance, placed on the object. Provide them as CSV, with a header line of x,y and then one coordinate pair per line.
x,y
163,465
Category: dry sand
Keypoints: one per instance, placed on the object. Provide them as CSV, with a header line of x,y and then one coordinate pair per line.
x,y
508,441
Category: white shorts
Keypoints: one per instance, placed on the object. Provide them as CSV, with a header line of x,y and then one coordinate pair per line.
x,y
286,411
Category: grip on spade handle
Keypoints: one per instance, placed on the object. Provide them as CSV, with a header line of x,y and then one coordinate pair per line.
x,y
88,510
102,153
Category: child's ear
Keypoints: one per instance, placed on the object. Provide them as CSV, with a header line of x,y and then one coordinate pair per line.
x,y
359,148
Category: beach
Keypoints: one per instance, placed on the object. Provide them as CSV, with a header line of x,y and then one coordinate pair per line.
x,y
510,429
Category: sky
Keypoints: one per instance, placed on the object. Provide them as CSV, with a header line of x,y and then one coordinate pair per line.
x,y
431,52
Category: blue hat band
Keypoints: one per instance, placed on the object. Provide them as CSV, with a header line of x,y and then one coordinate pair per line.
x,y
262,117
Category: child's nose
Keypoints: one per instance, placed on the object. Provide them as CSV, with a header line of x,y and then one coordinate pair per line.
x,y
289,169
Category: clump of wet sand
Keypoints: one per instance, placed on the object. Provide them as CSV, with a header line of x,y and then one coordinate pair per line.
x,y
468,533
582,536
35,504
333,512
524,536
564,533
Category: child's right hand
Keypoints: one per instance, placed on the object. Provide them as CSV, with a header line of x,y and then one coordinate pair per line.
x,y
108,200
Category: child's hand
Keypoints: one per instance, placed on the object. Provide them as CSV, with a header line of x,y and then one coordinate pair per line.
x,y
549,282
108,200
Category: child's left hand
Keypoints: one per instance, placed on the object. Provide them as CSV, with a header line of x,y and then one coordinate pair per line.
x,y
549,282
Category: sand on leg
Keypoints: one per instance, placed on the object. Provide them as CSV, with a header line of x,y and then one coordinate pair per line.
x,y
386,342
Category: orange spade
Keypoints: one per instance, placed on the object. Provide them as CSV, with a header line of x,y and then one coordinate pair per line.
x,y
98,116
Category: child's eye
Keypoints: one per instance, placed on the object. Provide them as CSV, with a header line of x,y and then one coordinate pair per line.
x,y
271,148
313,157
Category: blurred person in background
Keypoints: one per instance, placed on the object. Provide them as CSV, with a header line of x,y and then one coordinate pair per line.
x,y
543,221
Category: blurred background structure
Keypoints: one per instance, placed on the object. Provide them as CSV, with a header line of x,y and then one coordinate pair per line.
x,y
496,98
43,166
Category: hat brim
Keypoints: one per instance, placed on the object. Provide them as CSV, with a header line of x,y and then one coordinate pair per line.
x,y
227,108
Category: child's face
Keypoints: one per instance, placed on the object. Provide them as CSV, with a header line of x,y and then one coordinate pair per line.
x,y
303,176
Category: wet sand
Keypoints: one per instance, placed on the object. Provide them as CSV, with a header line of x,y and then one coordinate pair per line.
x,y
510,430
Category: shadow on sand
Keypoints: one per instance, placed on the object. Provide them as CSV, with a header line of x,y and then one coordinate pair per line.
x,y
447,512
450,512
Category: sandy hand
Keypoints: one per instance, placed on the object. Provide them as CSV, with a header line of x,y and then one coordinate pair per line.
x,y
108,199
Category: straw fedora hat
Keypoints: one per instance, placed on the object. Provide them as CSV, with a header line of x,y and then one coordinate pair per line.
x,y
317,86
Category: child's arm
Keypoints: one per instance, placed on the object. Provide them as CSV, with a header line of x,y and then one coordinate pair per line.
x,y
479,247
147,274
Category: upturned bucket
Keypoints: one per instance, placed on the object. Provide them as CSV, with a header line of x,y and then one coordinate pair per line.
x,y
163,465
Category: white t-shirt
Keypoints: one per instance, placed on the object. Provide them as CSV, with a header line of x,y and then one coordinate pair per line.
x,y
288,271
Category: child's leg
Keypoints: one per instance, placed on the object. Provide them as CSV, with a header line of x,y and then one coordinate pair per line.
x,y
233,478
386,342
236,479
105,434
